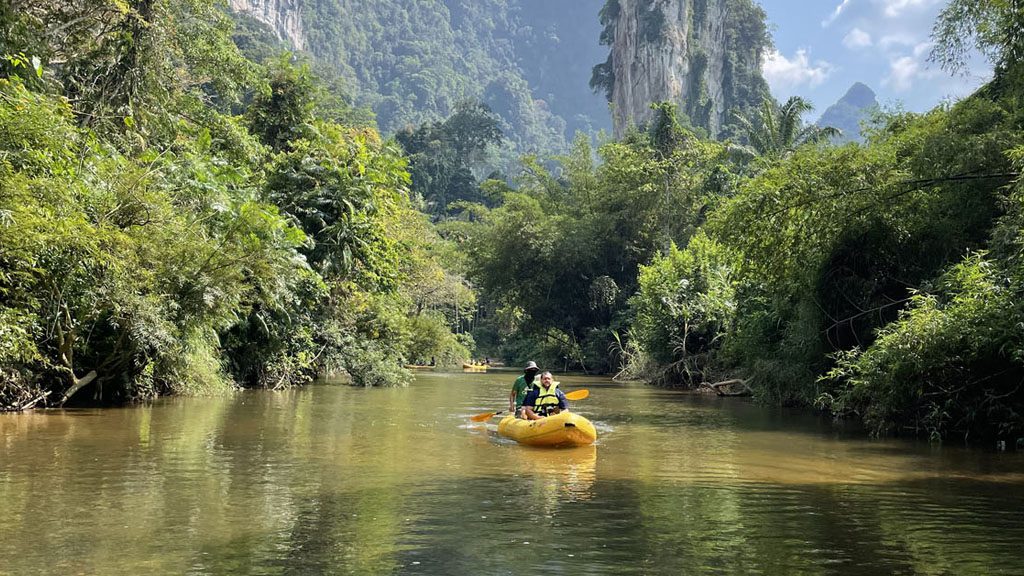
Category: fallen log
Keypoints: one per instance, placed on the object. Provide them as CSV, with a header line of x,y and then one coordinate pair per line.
x,y
726,387
79,383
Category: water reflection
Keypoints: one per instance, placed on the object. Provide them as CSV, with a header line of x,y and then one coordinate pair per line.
x,y
334,480
561,475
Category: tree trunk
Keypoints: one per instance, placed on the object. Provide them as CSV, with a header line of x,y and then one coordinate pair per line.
x,y
78,385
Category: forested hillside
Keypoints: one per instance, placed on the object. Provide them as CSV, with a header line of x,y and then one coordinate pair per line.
x,y
413,62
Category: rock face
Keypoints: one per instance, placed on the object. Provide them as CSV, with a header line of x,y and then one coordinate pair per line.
x,y
850,111
283,16
703,55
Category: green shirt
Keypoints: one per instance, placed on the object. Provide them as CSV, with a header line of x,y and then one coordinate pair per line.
x,y
520,387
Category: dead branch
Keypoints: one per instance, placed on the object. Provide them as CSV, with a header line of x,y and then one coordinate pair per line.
x,y
725,387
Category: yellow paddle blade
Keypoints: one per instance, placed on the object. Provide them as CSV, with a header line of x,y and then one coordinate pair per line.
x,y
484,417
577,394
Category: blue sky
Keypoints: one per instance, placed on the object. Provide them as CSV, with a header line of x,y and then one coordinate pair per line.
x,y
823,46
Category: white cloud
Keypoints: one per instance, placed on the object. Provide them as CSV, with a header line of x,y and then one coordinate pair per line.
x,y
835,14
896,8
902,72
857,38
923,49
897,39
783,73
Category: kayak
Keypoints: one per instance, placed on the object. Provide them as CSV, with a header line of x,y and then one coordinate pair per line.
x,y
563,429
466,366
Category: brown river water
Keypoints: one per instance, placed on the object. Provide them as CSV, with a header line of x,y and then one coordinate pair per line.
x,y
330,479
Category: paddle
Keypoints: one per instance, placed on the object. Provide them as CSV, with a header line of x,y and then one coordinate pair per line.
x,y
577,394
485,417
574,395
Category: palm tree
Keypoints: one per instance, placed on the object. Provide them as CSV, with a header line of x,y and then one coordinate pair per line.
x,y
778,130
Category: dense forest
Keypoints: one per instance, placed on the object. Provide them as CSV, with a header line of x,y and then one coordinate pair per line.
x,y
177,217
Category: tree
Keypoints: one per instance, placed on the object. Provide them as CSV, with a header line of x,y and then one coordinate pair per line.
x,y
778,130
587,229
685,304
340,186
132,66
442,155
123,271
996,27
283,111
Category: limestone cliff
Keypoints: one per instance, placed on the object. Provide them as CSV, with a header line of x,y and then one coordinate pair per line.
x,y
703,55
283,16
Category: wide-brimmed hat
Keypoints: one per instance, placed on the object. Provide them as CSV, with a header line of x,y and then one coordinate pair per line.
x,y
531,365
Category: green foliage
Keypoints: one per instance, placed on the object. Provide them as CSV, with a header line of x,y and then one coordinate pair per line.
x,y
431,339
147,246
127,267
565,251
412,63
284,111
685,306
777,130
371,363
255,40
149,59
996,28
442,155
340,186
155,240
836,239
952,363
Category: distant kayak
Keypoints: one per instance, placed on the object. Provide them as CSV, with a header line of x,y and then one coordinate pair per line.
x,y
467,366
564,429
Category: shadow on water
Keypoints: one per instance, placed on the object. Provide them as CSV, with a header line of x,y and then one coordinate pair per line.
x,y
497,525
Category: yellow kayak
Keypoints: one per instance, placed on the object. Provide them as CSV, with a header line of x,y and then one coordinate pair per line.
x,y
564,429
467,366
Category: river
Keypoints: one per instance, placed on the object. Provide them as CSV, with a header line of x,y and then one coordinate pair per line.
x,y
330,479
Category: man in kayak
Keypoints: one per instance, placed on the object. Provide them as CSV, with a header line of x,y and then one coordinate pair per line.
x,y
521,385
544,400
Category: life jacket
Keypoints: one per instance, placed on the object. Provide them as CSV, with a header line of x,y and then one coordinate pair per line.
x,y
547,400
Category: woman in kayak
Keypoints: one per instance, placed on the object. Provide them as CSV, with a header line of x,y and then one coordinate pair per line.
x,y
544,400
